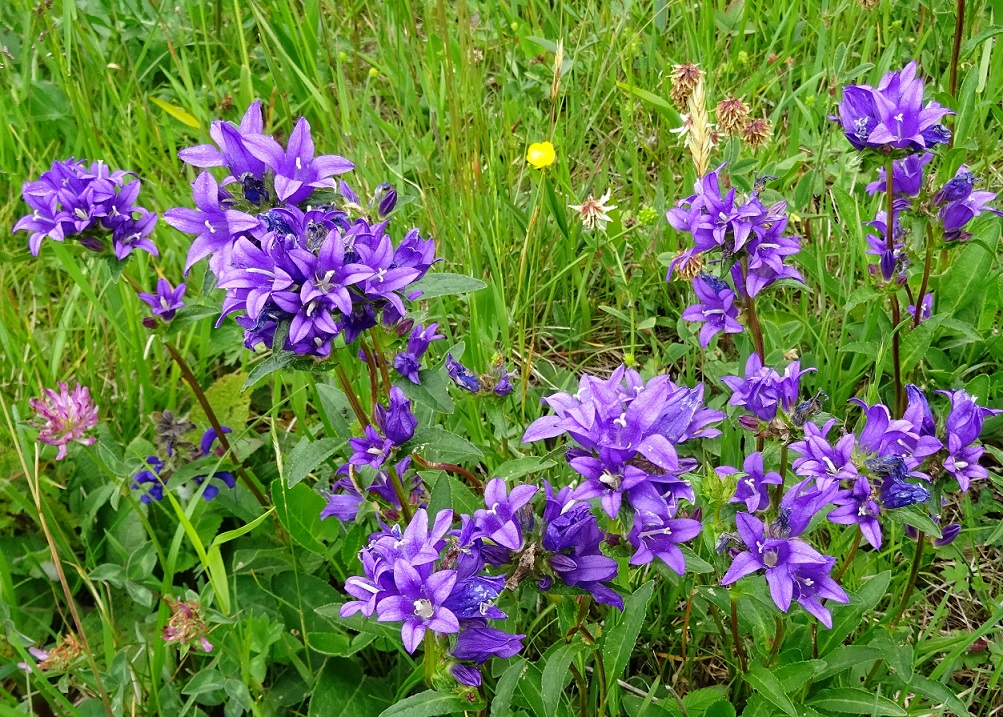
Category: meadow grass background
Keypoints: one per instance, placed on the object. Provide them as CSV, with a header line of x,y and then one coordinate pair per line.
x,y
442,99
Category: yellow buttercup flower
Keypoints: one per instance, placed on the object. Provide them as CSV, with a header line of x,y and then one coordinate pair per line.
x,y
541,154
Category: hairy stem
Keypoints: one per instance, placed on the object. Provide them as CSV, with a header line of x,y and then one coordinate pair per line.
x,y
401,494
193,383
896,317
373,371
381,359
737,638
910,585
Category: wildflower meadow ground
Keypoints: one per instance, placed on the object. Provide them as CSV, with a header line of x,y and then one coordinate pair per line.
x,y
501,358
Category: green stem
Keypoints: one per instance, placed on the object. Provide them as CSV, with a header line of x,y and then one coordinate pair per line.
x,y
381,359
850,555
959,29
373,371
737,638
910,585
193,383
778,638
896,317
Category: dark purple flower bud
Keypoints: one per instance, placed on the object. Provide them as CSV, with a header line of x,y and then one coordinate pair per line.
x,y
911,532
404,326
479,644
503,382
748,422
887,264
385,198
466,675
897,493
957,188
947,535
461,375
347,192
92,244
397,421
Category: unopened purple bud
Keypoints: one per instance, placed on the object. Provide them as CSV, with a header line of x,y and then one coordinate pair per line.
x,y
697,514
466,675
748,422
887,265
404,326
92,243
911,532
947,535
544,583
347,192
149,322
386,199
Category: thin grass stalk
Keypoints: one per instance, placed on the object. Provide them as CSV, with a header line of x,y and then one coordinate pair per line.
x,y
910,585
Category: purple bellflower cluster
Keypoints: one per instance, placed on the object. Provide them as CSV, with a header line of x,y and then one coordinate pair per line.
x,y
750,238
497,381
435,580
374,457
892,115
893,463
627,432
765,394
89,201
286,259
152,480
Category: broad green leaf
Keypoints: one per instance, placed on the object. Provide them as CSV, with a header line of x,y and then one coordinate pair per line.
x,y
440,497
204,682
307,455
898,656
446,284
938,694
228,403
767,685
856,701
431,392
435,443
846,656
915,516
795,675
339,644
520,467
916,343
501,705
426,704
619,642
341,690
299,510
556,674
970,270
531,690
847,618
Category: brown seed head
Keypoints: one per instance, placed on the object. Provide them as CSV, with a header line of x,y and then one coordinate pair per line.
x,y
684,79
732,115
757,133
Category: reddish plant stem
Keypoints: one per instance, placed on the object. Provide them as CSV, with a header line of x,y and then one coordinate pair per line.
x,y
755,328
449,468
959,29
353,398
381,359
373,371
193,383
918,302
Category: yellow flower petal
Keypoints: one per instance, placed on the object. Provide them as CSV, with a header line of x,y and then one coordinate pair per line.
x,y
541,154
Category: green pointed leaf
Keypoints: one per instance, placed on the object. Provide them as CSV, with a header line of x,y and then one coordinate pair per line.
x,y
556,674
426,704
446,284
855,701
501,705
768,686
307,455
619,642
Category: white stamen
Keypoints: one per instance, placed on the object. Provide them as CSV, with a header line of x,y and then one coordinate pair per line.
x,y
422,607
210,227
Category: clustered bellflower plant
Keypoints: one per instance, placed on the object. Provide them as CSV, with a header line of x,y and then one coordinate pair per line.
x,y
482,568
